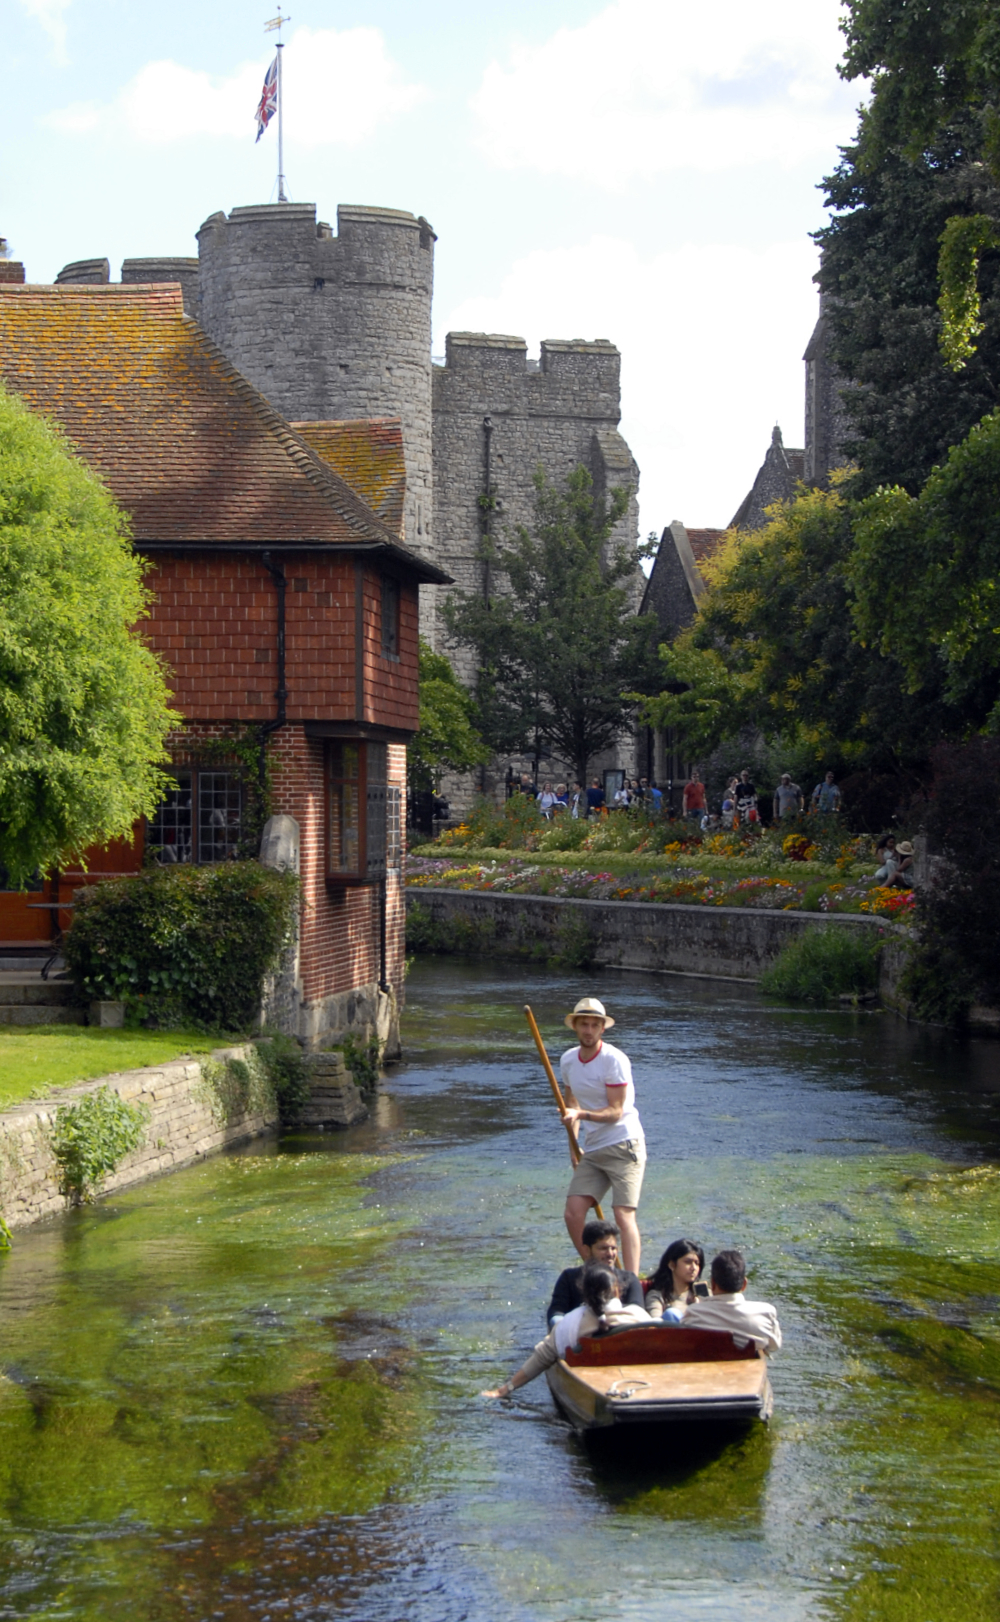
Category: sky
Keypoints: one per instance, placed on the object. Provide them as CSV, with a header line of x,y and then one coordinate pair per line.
x,y
641,170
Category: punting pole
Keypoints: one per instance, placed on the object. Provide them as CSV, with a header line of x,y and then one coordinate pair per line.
x,y
574,1147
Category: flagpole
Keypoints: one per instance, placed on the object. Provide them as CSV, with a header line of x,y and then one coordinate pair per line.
x,y
277,23
281,133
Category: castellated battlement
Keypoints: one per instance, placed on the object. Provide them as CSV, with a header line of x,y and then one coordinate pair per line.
x,y
329,327
184,271
574,376
499,417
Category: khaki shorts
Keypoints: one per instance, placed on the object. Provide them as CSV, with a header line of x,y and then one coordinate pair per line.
x,y
619,1168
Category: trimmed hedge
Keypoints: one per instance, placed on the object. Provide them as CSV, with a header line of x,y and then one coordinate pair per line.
x,y
183,944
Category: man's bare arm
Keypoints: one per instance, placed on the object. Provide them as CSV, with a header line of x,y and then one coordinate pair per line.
x,y
612,1111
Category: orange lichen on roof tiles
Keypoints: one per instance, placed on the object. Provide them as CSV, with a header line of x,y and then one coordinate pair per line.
x,y
186,445
368,455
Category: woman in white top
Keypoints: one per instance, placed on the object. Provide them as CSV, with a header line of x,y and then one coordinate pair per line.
x,y
546,800
601,1304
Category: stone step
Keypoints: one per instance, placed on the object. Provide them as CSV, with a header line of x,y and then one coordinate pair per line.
x,y
42,1014
17,990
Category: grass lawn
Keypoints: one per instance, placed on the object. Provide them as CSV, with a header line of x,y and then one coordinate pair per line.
x,y
34,1059
621,862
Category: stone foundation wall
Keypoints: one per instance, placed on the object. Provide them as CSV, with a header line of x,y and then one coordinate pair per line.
x,y
183,1127
720,943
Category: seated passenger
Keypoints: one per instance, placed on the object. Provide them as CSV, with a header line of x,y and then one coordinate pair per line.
x,y
602,1305
727,1307
600,1244
671,1288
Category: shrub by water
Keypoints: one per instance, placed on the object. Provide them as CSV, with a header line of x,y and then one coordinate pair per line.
x,y
823,964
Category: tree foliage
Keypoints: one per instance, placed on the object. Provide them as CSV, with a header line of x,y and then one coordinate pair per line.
x,y
964,240
772,649
929,62
448,739
558,646
956,961
925,572
905,407
83,703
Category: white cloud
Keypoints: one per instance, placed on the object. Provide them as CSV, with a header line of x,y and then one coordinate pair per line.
x,y
50,14
652,85
711,341
338,88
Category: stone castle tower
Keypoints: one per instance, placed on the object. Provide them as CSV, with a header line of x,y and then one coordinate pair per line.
x,y
338,326
326,327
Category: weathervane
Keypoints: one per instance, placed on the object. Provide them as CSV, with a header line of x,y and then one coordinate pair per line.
x,y
272,100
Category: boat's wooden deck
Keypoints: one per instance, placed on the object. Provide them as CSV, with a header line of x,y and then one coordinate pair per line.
x,y
672,1382
613,1394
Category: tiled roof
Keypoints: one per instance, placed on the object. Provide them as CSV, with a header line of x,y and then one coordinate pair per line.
x,y
368,455
704,543
187,446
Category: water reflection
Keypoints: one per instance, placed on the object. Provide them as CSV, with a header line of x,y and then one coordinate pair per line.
x,y
249,1390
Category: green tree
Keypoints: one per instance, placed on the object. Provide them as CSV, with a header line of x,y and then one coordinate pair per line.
x,y
906,405
83,703
929,62
925,572
447,739
558,645
772,649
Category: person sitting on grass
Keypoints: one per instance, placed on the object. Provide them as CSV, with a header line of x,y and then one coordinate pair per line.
x,y
728,1308
601,1307
599,1243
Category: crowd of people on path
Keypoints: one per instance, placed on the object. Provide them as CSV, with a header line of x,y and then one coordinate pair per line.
x,y
553,799
738,807
597,1294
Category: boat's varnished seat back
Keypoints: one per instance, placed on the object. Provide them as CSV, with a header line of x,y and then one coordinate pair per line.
x,y
658,1345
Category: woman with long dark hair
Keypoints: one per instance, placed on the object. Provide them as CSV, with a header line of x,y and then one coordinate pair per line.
x,y
602,1305
671,1288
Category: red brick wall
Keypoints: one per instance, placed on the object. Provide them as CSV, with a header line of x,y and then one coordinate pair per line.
x,y
340,926
214,619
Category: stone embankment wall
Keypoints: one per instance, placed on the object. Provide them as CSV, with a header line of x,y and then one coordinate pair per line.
x,y
719,943
186,1122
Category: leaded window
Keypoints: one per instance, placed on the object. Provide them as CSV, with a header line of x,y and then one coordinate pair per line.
x,y
359,812
201,820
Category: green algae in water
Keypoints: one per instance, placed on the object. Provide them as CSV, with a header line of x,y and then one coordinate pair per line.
x,y
166,1361
870,1497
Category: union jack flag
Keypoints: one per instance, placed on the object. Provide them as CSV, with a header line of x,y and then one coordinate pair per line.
x,y
268,99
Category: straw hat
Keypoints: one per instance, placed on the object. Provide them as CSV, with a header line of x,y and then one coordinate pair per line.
x,y
589,1005
905,849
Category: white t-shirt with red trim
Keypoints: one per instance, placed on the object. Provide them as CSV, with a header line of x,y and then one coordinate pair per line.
x,y
609,1068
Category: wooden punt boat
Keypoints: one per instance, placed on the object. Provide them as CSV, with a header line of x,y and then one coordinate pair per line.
x,y
660,1375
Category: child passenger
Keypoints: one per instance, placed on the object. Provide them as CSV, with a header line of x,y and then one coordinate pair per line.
x,y
601,1306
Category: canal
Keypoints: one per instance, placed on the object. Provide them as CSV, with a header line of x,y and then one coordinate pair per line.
x,y
250,1390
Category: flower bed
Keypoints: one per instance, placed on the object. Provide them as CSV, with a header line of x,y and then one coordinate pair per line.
x,y
792,843
670,883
